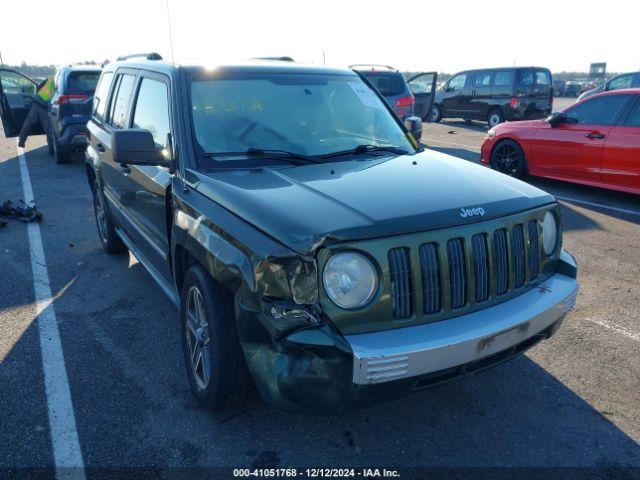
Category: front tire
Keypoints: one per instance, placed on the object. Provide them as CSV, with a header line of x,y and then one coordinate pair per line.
x,y
213,358
508,157
109,238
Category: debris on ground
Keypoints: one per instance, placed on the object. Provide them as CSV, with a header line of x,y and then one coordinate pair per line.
x,y
22,212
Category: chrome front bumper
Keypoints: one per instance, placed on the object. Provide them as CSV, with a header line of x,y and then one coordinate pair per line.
x,y
432,347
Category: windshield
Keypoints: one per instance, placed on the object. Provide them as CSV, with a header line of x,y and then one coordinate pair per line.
x,y
305,114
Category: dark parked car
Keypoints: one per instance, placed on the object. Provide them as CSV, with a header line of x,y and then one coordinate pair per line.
x,y
309,242
71,108
406,97
495,95
620,82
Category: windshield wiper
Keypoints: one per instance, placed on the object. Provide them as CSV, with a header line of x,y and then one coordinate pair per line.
x,y
292,157
360,149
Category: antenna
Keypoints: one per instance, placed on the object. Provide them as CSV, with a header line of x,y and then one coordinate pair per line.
x,y
170,36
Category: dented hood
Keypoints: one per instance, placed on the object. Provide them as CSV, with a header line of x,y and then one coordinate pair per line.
x,y
304,206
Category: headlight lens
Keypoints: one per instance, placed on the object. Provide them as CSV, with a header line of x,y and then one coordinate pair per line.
x,y
549,233
491,133
350,280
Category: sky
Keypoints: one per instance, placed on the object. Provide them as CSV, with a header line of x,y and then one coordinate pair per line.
x,y
445,36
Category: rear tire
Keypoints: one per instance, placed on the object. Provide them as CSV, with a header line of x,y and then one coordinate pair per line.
x,y
494,117
107,234
508,157
436,114
61,155
213,357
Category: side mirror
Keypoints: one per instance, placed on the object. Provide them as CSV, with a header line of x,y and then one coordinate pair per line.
x,y
135,146
557,118
414,125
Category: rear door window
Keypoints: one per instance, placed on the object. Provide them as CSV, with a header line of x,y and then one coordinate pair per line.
x,y
152,110
120,102
598,111
503,78
82,83
100,98
526,78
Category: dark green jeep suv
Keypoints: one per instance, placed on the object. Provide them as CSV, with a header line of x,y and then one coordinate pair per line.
x,y
310,244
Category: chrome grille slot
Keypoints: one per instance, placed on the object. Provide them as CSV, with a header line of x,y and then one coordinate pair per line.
x,y
517,251
457,272
400,273
430,268
534,250
501,261
480,266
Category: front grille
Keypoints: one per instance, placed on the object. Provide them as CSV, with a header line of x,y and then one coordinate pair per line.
x,y
400,271
501,261
463,271
481,266
517,243
430,268
534,250
457,272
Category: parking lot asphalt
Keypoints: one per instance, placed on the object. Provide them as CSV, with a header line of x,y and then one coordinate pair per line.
x,y
572,401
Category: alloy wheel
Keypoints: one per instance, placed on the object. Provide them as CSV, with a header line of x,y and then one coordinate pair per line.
x,y
101,216
507,159
198,342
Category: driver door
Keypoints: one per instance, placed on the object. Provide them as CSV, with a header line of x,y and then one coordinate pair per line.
x,y
423,88
16,91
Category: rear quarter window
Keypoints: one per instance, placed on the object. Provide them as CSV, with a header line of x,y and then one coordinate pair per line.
x,y
388,84
543,77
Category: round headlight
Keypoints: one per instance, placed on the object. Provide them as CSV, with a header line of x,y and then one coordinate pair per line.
x,y
549,233
350,280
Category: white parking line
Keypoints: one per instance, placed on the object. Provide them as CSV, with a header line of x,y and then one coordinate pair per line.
x,y
62,423
599,205
616,328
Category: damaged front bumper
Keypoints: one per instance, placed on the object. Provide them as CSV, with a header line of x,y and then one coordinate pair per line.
x,y
318,369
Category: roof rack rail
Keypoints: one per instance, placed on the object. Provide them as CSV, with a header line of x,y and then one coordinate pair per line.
x,y
148,56
277,59
372,66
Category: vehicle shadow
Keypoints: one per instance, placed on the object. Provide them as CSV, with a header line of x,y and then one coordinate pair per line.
x,y
476,126
463,153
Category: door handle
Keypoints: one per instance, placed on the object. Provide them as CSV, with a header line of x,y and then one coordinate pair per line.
x,y
100,148
124,168
594,135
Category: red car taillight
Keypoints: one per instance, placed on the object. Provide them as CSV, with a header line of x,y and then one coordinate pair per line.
x,y
405,101
515,103
71,98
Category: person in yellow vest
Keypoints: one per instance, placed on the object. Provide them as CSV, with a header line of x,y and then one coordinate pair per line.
x,y
39,113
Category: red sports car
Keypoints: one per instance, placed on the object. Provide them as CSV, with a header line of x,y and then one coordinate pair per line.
x,y
593,142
